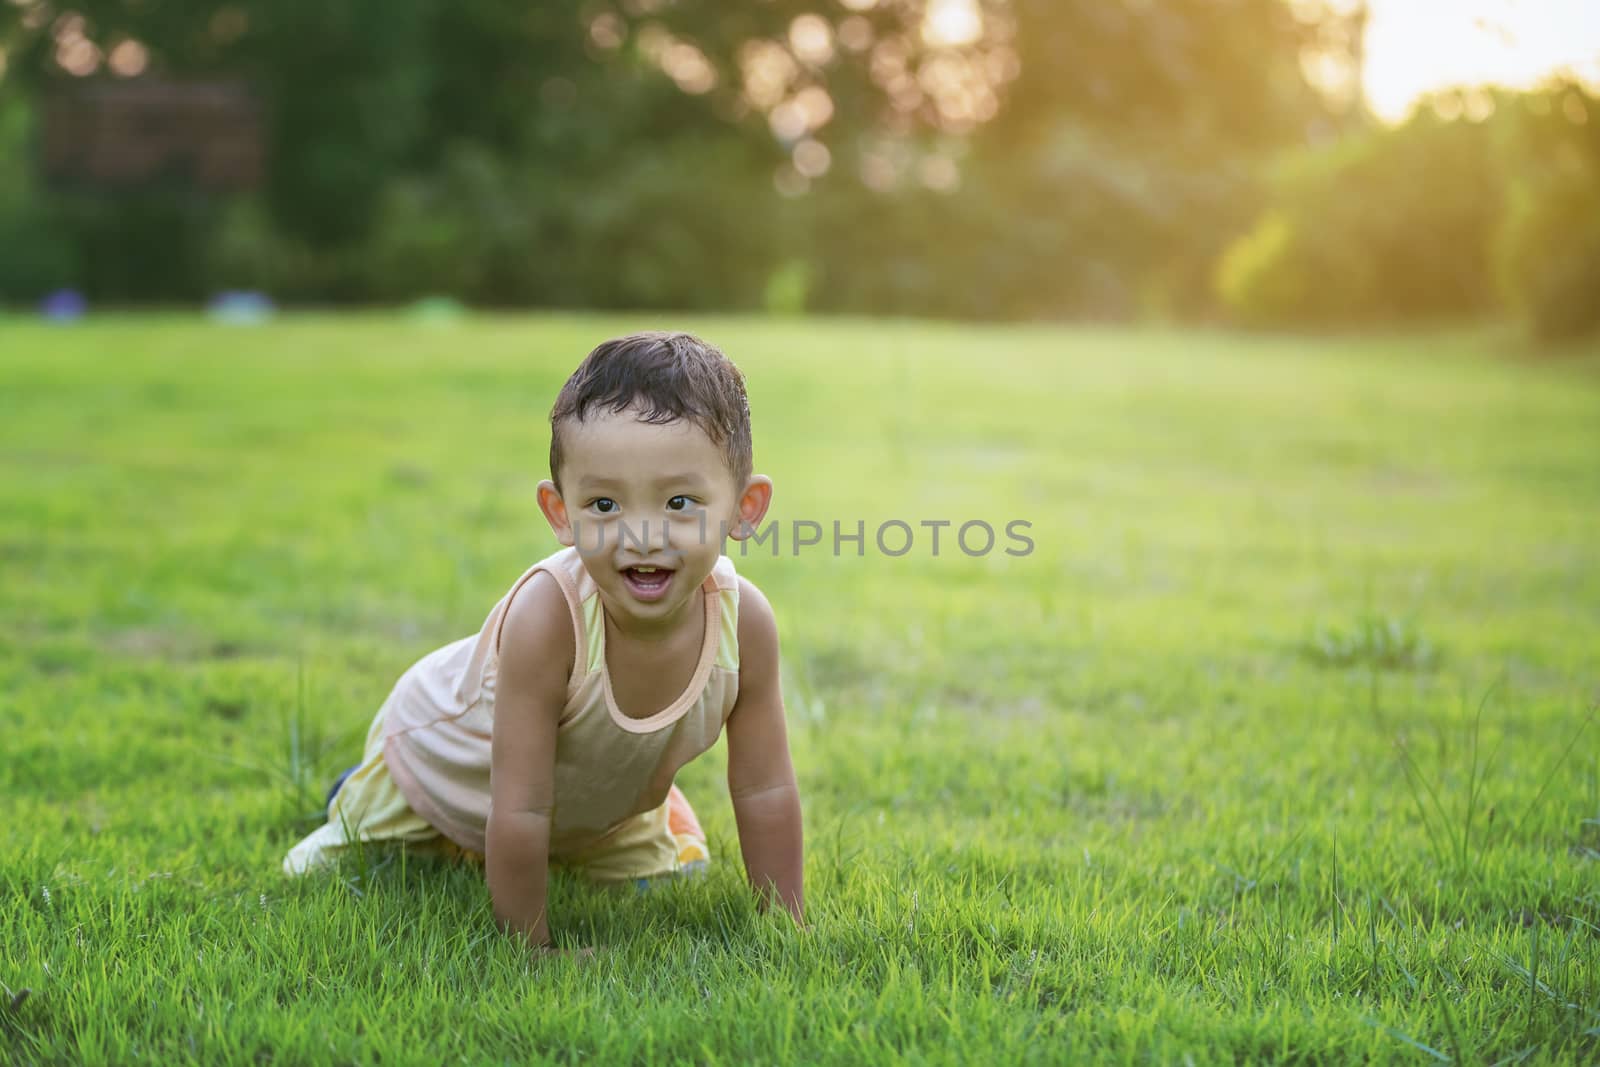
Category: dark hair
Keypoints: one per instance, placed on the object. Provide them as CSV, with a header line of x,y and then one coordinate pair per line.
x,y
666,377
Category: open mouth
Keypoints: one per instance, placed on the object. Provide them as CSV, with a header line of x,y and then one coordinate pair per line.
x,y
647,583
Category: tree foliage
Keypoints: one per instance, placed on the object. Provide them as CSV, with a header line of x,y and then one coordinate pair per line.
x,y
1048,157
1473,205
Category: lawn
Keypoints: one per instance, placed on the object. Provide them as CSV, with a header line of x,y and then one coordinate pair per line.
x,y
1275,747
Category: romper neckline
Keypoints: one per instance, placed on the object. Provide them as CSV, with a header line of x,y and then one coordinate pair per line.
x,y
712,604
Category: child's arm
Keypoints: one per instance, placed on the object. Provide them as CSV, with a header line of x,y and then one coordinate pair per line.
x,y
766,800
536,650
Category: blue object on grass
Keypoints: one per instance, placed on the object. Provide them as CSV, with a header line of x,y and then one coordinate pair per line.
x,y
241,307
64,305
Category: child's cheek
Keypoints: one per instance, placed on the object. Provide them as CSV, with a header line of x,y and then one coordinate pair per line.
x,y
594,535
689,530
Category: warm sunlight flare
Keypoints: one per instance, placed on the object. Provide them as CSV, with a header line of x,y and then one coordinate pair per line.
x,y
952,23
1417,46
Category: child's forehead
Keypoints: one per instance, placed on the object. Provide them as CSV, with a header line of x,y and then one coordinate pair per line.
x,y
603,429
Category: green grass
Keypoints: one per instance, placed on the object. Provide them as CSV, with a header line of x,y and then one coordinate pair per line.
x,y
1274,748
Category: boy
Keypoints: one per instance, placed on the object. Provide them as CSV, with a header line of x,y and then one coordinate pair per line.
x,y
554,734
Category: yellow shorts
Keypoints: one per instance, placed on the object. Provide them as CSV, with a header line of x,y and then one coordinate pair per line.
x,y
369,807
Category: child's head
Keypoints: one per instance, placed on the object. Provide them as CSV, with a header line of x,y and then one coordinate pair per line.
x,y
664,378
650,465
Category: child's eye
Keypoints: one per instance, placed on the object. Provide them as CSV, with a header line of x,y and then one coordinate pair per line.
x,y
680,503
604,505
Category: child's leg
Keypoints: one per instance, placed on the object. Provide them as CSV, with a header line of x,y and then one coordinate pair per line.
x,y
664,841
367,807
333,790
364,805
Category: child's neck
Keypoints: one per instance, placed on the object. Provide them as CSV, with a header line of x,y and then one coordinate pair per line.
x,y
653,631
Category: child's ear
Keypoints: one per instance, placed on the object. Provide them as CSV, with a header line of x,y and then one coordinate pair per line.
x,y
555,512
753,505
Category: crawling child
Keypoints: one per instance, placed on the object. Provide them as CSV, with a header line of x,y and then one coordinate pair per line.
x,y
553,735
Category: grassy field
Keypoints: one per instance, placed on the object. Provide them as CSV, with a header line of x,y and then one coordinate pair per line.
x,y
1273,749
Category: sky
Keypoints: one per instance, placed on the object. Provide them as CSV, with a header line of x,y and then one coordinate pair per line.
x,y
1414,46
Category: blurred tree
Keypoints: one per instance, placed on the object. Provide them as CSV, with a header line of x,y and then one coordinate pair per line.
x,y
1547,246
347,86
1479,201
1207,78
1131,141
991,157
35,257
1383,225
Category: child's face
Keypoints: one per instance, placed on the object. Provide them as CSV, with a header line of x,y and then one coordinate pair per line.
x,y
648,507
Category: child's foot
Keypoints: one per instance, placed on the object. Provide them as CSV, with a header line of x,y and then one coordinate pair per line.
x,y
693,855
694,858
315,851
693,868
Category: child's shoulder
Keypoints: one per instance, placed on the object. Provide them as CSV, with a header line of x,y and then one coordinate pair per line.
x,y
538,619
758,628
751,594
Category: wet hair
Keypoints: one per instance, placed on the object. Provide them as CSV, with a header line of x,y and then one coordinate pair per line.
x,y
664,377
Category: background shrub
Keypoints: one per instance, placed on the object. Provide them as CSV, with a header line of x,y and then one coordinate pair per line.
x,y
1547,253
1384,225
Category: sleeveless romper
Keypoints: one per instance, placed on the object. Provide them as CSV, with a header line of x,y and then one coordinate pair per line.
x,y
424,775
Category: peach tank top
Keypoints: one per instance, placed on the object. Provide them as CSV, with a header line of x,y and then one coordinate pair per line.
x,y
438,720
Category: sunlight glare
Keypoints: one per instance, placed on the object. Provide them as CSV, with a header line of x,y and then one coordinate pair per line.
x,y
1414,47
952,23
